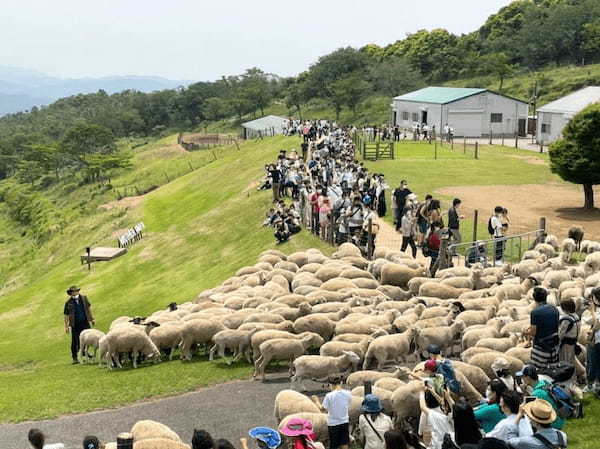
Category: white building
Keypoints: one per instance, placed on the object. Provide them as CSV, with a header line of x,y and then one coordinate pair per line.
x,y
269,125
553,117
471,112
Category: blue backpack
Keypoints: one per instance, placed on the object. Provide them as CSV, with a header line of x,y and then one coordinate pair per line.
x,y
564,403
446,369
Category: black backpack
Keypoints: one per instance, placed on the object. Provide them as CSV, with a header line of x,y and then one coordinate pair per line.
x,y
491,229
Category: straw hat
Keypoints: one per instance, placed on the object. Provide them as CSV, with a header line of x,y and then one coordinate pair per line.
x,y
540,411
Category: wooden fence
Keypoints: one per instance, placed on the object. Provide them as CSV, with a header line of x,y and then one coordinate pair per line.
x,y
192,142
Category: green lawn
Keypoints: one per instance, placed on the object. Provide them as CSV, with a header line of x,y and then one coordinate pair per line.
x,y
496,165
201,228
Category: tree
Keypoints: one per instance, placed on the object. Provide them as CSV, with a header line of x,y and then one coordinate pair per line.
x,y
88,139
591,41
394,76
576,157
497,64
99,166
348,92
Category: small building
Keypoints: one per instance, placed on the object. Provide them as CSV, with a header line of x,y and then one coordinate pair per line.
x,y
269,125
553,117
470,112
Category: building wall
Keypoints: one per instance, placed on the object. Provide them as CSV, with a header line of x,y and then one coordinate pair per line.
x,y
556,121
472,114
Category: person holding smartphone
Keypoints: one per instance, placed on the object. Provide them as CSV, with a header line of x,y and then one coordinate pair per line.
x,y
593,352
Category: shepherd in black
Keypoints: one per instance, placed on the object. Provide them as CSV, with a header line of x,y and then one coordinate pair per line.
x,y
78,317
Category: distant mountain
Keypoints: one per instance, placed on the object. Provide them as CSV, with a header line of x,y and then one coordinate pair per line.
x,y
21,89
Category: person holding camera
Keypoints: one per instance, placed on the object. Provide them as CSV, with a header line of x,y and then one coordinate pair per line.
x,y
78,317
542,415
593,352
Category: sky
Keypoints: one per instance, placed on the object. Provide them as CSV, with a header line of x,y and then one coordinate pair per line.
x,y
205,39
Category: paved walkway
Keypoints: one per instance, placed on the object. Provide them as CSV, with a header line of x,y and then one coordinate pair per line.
x,y
225,411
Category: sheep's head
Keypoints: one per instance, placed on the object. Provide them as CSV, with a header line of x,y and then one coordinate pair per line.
x,y
401,373
304,308
412,333
351,357
314,340
378,332
458,327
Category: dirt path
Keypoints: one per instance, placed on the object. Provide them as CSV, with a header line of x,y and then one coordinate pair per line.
x,y
389,238
560,204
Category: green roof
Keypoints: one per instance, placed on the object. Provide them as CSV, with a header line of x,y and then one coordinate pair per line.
x,y
439,95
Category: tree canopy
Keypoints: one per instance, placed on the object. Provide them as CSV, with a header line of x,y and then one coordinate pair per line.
x,y
576,157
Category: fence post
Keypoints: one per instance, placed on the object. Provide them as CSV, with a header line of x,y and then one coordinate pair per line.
x,y
491,136
377,150
452,144
465,146
543,224
502,139
476,150
516,140
475,218
435,150
541,146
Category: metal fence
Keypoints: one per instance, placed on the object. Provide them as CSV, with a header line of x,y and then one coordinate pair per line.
x,y
492,251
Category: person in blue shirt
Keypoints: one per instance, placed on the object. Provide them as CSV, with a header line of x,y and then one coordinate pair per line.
x,y
490,414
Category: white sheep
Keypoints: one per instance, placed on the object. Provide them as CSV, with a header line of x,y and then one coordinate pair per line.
x,y
394,347
499,344
129,339
283,349
288,402
444,337
319,367
89,338
197,331
235,340
167,337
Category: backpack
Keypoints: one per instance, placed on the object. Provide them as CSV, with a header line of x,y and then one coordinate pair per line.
x,y
548,444
564,403
446,369
491,229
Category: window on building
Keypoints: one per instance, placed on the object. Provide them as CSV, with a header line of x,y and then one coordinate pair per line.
x,y
496,118
415,117
405,115
546,128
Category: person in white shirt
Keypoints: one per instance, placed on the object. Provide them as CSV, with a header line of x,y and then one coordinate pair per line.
x,y
336,404
434,421
509,404
496,227
373,424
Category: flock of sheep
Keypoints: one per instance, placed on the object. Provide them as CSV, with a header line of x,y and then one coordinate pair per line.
x,y
363,317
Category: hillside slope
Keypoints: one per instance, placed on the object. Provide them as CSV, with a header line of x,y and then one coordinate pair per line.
x,y
201,228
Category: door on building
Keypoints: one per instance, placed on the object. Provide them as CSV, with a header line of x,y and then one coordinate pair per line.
x,y
523,127
423,116
466,124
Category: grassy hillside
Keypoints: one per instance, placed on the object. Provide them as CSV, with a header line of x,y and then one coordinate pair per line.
x,y
553,83
201,227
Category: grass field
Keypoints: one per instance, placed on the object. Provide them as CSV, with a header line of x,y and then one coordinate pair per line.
x,y
201,228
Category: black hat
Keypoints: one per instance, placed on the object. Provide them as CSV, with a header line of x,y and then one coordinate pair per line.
x,y
529,371
434,349
73,289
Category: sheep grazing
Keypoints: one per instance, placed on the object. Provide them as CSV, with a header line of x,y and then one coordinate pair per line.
x,y
236,341
337,348
394,347
129,339
441,291
167,337
283,349
576,233
499,344
197,331
89,338
288,402
471,337
405,400
309,367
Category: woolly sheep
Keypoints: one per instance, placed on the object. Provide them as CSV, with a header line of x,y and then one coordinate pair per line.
x,y
554,278
471,317
299,258
390,347
467,354
394,293
453,272
592,264
319,324
415,283
129,340
319,367
385,396
238,342
523,354
288,402
167,337
499,344
283,349
347,250
336,284
337,348
159,443
444,337
389,383
260,337
197,331
405,400
576,233
526,268
146,429
437,290
399,275
485,360
471,337
286,326
546,249
89,338
305,279
358,378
